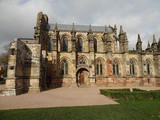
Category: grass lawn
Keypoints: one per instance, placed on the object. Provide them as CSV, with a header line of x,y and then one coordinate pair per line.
x,y
126,110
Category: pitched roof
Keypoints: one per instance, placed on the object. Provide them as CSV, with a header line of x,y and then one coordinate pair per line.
x,y
79,28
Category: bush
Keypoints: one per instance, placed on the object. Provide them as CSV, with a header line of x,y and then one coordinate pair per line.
x,y
120,94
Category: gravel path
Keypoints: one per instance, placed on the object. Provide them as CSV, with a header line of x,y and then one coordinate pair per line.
x,y
56,98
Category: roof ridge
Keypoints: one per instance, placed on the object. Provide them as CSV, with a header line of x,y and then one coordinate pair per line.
x,y
83,28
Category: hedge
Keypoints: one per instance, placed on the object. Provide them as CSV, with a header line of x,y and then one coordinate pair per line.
x,y
137,94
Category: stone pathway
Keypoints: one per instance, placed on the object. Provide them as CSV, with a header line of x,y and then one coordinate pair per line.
x,y
60,97
56,98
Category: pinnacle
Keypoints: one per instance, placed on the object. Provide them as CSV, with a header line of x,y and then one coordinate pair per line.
x,y
121,30
56,27
139,38
90,29
106,30
154,39
148,45
125,36
73,27
115,27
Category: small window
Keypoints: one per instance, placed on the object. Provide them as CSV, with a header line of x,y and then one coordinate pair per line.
x,y
148,69
50,45
115,68
99,67
95,45
64,67
132,68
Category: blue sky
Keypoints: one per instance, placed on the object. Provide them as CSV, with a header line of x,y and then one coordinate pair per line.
x,y
18,17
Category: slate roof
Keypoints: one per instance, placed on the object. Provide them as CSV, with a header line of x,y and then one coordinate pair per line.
x,y
79,28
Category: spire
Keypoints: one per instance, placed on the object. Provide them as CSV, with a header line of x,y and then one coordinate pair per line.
x,y
90,29
56,27
154,39
121,30
139,39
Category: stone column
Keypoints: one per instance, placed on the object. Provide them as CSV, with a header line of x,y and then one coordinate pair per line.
x,y
125,68
92,76
11,71
35,79
73,54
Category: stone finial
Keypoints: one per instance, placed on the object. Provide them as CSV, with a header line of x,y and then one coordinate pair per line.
x,y
139,39
121,30
154,39
90,29
56,27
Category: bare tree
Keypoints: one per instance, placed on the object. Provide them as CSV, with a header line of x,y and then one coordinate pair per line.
x,y
4,60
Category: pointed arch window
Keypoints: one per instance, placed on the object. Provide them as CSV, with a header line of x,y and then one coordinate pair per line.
x,y
79,45
148,68
132,68
115,68
65,44
50,45
95,45
64,67
99,67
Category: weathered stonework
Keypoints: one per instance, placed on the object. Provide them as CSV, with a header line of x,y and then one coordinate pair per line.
x,y
78,55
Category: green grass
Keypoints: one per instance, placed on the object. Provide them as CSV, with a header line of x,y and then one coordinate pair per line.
x,y
126,110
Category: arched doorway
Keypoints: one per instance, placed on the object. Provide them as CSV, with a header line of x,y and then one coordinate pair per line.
x,y
82,76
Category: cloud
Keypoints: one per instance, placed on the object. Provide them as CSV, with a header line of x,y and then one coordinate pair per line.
x,y
18,17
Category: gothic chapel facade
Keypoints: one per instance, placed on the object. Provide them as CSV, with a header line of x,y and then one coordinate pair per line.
x,y
62,55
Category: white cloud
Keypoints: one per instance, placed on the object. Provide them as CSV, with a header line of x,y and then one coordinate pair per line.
x,y
18,17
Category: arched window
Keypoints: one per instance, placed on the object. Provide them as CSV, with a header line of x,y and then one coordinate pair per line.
x,y
50,45
148,69
95,45
99,68
115,68
82,61
64,67
79,45
64,44
132,68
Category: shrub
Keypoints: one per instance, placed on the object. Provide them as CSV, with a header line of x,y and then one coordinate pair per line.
x,y
125,94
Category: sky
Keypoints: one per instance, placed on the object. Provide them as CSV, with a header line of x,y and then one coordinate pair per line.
x,y
18,17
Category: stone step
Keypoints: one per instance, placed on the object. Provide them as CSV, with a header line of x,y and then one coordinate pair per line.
x,y
83,86
2,94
